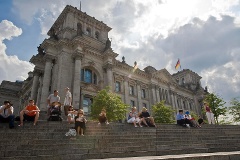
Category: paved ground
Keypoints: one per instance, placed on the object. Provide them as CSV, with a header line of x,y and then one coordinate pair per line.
x,y
199,156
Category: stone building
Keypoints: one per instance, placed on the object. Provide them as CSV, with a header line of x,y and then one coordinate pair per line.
x,y
10,91
78,55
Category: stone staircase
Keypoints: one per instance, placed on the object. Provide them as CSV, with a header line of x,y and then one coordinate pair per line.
x,y
47,140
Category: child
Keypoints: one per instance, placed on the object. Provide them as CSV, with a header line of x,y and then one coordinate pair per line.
x,y
103,117
80,122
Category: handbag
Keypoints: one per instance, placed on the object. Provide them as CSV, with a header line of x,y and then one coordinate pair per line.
x,y
71,132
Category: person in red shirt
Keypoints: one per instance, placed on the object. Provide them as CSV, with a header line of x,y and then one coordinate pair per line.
x,y
29,113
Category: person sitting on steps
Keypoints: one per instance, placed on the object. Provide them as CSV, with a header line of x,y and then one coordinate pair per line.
x,y
133,117
146,118
29,113
192,120
6,114
80,122
71,115
181,120
103,117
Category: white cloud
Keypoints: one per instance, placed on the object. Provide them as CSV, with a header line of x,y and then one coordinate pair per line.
x,y
11,67
202,33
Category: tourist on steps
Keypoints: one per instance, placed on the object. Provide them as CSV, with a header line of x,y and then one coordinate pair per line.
x,y
181,120
80,122
133,117
192,119
146,118
6,114
51,99
29,113
67,101
209,114
103,117
71,115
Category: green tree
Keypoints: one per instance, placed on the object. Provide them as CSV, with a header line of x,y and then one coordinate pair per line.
x,y
216,104
235,109
162,113
113,104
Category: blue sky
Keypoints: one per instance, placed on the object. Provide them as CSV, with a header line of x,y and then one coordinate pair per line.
x,y
204,34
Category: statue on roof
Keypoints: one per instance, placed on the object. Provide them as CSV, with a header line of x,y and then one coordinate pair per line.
x,y
40,50
123,59
79,29
108,44
53,34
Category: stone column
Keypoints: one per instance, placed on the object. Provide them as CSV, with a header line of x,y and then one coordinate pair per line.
x,y
175,97
39,91
172,100
139,96
126,90
160,93
34,89
77,80
108,68
153,94
169,98
46,84
157,92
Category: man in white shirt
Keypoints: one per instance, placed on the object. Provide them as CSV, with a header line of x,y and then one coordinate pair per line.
x,y
51,99
67,100
6,114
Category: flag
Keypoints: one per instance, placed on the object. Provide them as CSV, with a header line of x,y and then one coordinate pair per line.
x,y
178,64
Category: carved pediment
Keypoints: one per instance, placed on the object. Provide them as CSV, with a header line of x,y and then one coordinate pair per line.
x,y
164,75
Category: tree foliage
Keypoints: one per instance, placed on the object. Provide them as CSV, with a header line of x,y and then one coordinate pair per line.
x,y
113,104
234,110
216,104
162,113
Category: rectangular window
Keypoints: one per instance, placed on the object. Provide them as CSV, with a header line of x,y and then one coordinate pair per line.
x,y
143,93
117,86
131,90
132,103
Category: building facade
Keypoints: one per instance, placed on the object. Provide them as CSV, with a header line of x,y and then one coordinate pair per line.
x,y
78,55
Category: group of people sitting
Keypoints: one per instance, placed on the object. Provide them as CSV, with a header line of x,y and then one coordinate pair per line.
x,y
29,113
186,120
142,118
78,118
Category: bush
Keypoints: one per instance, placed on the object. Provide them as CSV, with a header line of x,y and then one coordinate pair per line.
x,y
115,108
162,113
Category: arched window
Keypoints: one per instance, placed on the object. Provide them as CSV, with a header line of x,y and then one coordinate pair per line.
x,y
88,31
88,76
97,35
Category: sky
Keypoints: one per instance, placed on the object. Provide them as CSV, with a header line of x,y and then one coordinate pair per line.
x,y
203,34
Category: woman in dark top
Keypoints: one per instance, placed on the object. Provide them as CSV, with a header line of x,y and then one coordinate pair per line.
x,y
146,118
80,122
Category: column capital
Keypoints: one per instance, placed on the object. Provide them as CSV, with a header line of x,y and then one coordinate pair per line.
x,y
152,86
78,55
138,82
49,58
126,78
108,66
37,72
